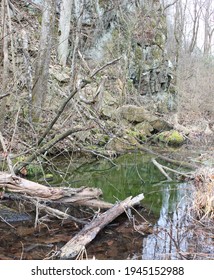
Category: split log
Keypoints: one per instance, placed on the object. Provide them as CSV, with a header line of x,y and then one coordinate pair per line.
x,y
77,196
89,232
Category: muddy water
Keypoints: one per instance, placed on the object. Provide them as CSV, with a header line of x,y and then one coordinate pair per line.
x,y
161,228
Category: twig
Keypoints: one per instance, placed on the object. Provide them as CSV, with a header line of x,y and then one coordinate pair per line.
x,y
72,94
6,222
104,66
48,146
51,211
160,167
98,155
4,95
15,127
177,172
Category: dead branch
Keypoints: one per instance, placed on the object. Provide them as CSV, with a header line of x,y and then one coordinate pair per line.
x,y
4,95
160,167
53,212
173,161
89,232
84,83
48,146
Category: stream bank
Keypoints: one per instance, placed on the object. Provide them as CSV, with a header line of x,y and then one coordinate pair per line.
x,y
117,94
162,227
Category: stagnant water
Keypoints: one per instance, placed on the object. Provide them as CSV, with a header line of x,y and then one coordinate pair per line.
x,y
162,228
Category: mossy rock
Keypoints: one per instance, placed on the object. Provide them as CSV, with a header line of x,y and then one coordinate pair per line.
x,y
102,139
136,134
108,111
120,145
160,125
131,113
172,138
144,128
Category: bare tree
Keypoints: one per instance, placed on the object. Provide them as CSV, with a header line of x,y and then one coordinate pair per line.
x,y
4,59
195,18
208,26
40,87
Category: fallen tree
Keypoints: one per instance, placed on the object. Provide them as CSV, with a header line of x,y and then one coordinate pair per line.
x,y
78,196
36,193
89,232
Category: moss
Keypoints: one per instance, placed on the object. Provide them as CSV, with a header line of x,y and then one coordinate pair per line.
x,y
136,134
172,138
48,176
33,170
102,139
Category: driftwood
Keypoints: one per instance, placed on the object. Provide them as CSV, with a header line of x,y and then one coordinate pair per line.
x,y
89,232
77,196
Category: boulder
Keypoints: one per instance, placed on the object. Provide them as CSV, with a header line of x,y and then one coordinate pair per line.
x,y
160,125
172,138
144,128
120,145
60,74
131,113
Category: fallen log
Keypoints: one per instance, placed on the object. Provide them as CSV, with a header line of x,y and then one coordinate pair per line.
x,y
71,249
77,196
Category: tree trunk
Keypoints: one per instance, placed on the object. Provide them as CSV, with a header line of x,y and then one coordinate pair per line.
x,y
208,28
4,59
64,30
40,87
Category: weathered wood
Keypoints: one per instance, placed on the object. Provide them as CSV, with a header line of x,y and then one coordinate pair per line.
x,y
20,185
77,196
89,232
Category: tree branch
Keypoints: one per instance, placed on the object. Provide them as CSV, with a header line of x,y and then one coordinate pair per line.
x,y
72,94
47,147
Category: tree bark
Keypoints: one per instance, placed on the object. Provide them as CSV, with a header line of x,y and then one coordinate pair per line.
x,y
64,30
40,87
76,196
4,53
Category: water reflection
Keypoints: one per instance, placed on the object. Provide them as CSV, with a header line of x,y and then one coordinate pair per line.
x,y
171,232
175,235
